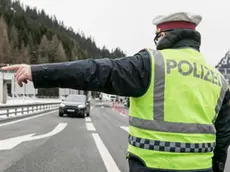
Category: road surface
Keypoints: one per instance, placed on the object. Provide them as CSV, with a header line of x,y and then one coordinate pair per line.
x,y
49,143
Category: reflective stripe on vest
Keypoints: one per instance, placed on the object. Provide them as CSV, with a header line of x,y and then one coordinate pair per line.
x,y
171,126
171,146
162,128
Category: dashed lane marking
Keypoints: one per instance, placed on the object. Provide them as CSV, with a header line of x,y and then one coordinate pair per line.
x,y
90,127
88,119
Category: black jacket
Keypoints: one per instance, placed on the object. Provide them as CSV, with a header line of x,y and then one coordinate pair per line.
x,y
128,76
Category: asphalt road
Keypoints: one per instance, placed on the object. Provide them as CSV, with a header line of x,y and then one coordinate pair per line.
x,y
48,143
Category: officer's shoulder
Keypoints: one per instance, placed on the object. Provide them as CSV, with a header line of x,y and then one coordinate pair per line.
x,y
144,53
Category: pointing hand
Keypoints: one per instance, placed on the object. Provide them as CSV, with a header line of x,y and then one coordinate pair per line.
x,y
23,73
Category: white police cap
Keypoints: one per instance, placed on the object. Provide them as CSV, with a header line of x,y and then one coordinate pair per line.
x,y
177,20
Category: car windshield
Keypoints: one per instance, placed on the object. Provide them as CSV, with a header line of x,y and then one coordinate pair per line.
x,y
76,98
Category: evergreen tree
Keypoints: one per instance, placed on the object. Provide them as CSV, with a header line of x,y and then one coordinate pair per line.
x,y
31,36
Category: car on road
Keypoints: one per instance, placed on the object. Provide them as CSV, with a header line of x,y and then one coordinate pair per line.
x,y
112,98
75,105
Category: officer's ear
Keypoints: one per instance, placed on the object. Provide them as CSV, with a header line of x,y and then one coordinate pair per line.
x,y
162,35
159,36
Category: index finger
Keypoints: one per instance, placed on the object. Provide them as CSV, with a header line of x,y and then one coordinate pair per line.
x,y
12,67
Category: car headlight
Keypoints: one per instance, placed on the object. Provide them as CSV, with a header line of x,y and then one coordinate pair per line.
x,y
62,105
81,106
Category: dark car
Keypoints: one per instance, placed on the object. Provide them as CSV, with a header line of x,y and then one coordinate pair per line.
x,y
75,105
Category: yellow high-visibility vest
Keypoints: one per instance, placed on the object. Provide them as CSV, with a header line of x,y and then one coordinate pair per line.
x,y
172,125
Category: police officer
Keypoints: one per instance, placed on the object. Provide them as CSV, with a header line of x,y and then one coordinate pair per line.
x,y
179,116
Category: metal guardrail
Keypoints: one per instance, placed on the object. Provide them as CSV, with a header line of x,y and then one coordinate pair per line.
x,y
26,109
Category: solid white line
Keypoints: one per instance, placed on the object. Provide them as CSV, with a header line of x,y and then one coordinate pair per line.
x,y
90,127
88,119
105,155
25,119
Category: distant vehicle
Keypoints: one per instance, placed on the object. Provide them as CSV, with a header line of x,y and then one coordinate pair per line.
x,y
74,105
113,98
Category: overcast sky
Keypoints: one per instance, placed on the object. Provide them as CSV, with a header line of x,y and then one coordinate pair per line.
x,y
128,23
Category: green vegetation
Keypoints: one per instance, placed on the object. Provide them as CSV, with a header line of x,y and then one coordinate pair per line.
x,y
31,36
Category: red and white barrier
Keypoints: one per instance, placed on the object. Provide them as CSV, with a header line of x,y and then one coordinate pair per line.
x,y
117,107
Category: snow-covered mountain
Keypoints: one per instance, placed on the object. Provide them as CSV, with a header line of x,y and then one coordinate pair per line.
x,y
225,61
224,66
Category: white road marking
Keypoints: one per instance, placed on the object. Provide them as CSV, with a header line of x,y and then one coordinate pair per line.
x,y
90,127
25,119
12,142
123,115
120,113
57,129
125,128
105,155
88,119
92,107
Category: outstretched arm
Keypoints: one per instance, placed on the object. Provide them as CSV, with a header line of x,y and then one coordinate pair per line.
x,y
128,76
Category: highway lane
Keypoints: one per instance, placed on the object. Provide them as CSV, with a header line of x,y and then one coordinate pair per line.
x,y
75,148
108,124
96,144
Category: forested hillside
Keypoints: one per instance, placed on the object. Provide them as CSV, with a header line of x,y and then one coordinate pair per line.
x,y
28,35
